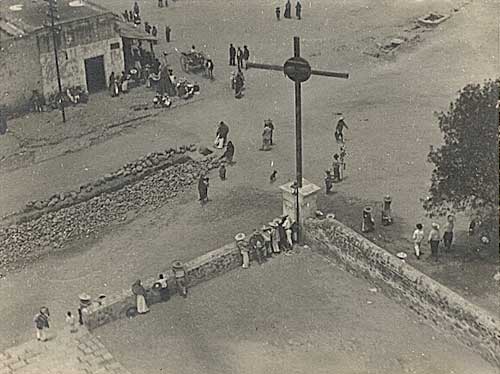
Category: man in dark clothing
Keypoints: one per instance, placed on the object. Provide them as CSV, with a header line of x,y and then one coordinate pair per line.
x,y
168,30
269,123
222,131
288,10
160,3
136,8
3,122
257,242
147,27
298,10
246,56
239,58
232,55
278,12
203,189
341,125
154,31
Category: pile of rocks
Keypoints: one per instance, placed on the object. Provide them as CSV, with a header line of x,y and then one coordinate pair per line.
x,y
23,242
129,173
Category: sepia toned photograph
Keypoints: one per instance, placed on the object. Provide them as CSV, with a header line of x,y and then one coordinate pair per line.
x,y
249,186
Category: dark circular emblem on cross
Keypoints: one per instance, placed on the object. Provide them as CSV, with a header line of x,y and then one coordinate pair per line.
x,y
297,69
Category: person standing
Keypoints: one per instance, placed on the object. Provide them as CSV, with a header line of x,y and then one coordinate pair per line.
x,y
246,56
140,293
328,181
3,122
71,322
298,10
232,55
203,189
336,168
41,321
136,9
339,130
154,31
418,238
288,9
160,3
239,84
222,132
278,12
266,139
222,172
168,30
229,152
274,237
448,232
283,241
434,238
239,58
256,242
162,286
269,123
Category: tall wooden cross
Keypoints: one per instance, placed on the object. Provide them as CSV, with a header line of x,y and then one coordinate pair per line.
x,y
298,70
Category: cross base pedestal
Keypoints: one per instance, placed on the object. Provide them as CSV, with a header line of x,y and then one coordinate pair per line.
x,y
308,195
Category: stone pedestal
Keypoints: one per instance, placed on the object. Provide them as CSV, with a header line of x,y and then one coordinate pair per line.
x,y
307,200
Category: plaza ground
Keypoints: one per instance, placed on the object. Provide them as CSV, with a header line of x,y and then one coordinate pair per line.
x,y
388,104
293,314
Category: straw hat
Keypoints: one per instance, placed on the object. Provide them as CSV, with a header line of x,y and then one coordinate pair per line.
x,y
435,225
239,237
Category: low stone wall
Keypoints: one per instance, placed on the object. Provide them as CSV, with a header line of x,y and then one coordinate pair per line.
x,y
434,302
199,270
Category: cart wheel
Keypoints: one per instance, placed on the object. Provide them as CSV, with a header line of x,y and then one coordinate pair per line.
x,y
184,64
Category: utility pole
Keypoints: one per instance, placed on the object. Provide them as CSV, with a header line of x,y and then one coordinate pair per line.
x,y
52,14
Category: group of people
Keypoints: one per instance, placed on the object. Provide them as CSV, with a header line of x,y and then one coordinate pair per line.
x,y
118,84
288,10
277,236
238,56
41,321
434,237
133,15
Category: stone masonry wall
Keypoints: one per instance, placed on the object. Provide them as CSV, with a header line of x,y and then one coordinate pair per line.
x,y
199,270
432,301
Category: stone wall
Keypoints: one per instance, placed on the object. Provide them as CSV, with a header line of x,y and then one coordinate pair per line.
x,y
20,72
429,299
199,270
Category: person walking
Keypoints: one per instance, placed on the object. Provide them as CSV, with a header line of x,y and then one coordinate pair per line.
x,y
336,168
288,10
434,238
140,295
232,55
246,56
203,189
239,84
277,11
418,238
168,31
269,123
298,10
239,58
41,321
339,130
448,232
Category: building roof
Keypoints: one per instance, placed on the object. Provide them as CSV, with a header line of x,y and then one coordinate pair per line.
x,y
30,15
129,31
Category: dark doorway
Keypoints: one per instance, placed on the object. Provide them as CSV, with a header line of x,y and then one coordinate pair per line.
x,y
95,75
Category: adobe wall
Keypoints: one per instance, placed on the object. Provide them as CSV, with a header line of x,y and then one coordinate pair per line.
x,y
20,72
72,64
434,302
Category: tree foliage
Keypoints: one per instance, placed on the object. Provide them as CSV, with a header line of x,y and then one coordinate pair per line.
x,y
465,175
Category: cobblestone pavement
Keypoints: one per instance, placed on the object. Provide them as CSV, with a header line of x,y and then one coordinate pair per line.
x,y
63,353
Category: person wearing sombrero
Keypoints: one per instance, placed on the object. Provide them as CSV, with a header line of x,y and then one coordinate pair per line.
x,y
275,238
256,243
434,238
140,293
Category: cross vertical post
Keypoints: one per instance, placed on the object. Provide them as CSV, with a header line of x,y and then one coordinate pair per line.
x,y
298,70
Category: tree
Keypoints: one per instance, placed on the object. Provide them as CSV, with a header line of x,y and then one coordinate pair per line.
x,y
465,176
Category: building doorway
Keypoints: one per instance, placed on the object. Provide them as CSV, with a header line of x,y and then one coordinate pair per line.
x,y
94,73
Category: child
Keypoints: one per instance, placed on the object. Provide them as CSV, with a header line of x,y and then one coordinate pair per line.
x,y
222,172
328,181
71,322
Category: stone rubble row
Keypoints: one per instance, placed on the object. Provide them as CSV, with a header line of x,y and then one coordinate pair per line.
x,y
23,242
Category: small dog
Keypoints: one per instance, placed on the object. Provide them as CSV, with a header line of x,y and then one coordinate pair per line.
x,y
272,178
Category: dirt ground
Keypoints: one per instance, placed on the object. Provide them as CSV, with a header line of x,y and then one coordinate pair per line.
x,y
388,103
293,314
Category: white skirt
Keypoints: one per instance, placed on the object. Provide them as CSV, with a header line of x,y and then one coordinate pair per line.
x,y
141,305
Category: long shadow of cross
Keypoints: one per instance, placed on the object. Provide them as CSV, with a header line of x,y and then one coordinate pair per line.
x,y
298,70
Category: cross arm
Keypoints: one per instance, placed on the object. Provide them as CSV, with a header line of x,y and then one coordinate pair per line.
x,y
265,66
330,74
